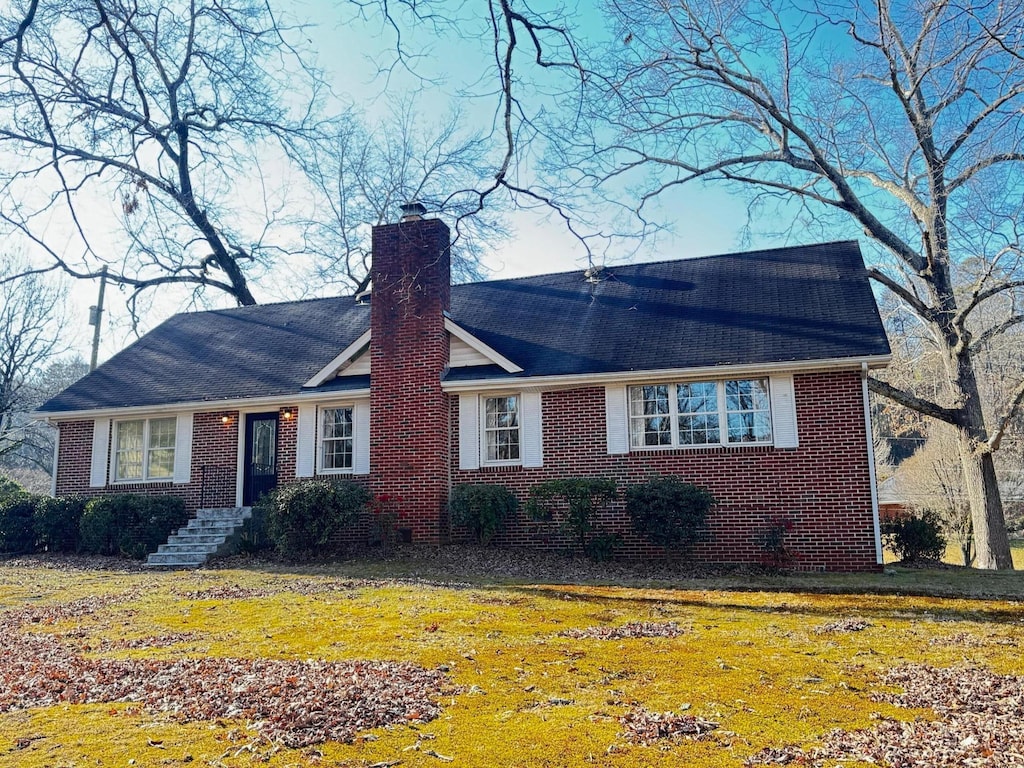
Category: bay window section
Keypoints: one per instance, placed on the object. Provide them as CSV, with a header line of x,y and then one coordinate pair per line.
x,y
501,429
700,413
144,449
336,439
748,411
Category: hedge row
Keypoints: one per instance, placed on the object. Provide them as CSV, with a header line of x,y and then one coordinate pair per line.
x,y
125,524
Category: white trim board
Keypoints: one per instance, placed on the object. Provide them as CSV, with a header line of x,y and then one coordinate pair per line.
x,y
548,383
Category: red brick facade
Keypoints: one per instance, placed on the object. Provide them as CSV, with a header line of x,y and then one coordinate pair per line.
x,y
821,488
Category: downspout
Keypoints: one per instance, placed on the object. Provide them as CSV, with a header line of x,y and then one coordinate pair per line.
x,y
871,464
56,453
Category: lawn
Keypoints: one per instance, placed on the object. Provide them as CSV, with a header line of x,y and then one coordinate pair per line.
x,y
404,662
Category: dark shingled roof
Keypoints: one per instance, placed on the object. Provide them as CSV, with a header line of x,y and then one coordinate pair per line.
x,y
774,306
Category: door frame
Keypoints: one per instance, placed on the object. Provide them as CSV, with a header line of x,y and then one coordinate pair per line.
x,y
243,440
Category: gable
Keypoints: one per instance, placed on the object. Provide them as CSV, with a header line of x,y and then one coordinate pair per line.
x,y
464,351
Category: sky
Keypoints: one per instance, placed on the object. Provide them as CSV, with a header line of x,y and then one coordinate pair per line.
x,y
703,220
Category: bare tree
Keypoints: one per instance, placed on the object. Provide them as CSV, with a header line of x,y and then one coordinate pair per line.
x,y
902,121
931,480
30,462
30,325
360,179
163,115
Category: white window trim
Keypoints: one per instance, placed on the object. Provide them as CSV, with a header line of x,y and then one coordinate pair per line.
x,y
319,448
484,461
673,415
115,426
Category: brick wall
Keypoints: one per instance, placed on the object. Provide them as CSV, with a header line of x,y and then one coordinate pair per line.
x,y
214,456
823,486
408,352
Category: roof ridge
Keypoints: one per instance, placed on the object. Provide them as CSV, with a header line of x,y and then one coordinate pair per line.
x,y
666,261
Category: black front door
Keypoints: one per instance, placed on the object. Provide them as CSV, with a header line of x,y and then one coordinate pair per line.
x,y
260,456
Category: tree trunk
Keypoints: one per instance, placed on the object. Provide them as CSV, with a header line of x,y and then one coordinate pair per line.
x,y
982,490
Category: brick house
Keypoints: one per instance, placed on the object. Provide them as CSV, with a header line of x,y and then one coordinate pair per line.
x,y
744,373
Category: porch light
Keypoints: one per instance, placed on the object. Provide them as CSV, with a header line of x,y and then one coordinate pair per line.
x,y
225,419
287,413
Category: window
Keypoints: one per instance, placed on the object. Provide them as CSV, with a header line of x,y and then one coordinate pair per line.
x,y
336,439
144,449
501,429
700,413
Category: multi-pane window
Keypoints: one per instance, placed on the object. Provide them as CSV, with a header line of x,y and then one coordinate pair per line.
x,y
144,449
748,411
501,429
336,439
700,413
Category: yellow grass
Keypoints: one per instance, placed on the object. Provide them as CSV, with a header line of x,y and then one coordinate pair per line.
x,y
749,659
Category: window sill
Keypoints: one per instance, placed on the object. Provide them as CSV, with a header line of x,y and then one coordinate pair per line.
x,y
503,467
697,448
142,481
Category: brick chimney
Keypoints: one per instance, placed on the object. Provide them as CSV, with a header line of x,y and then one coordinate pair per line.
x,y
409,428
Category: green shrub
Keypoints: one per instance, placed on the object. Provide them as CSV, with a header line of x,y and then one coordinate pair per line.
x,y
601,546
160,517
9,487
669,511
57,522
128,524
483,509
915,536
308,516
17,533
575,500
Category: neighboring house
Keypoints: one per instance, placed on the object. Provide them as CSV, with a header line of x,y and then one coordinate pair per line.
x,y
744,373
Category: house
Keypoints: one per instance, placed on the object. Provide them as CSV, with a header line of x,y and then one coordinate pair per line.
x,y
744,373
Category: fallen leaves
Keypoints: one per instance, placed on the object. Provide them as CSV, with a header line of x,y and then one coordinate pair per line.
x,y
980,724
634,629
641,726
843,625
294,703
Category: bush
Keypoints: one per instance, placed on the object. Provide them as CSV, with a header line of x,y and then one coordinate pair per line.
x,y
483,509
915,536
307,516
56,522
601,547
668,511
17,533
127,524
9,487
577,500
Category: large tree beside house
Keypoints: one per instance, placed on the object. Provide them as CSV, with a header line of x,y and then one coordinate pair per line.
x,y
742,373
903,122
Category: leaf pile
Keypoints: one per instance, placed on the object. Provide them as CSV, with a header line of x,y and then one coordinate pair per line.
x,y
843,625
295,703
633,629
641,726
307,587
980,724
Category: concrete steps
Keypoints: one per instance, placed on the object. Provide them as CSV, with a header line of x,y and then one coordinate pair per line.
x,y
209,533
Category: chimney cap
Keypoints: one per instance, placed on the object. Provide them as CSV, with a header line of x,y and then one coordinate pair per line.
x,y
413,211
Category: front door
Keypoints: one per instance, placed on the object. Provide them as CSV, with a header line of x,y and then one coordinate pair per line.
x,y
260,456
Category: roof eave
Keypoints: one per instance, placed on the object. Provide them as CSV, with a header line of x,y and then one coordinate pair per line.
x,y
199,406
628,377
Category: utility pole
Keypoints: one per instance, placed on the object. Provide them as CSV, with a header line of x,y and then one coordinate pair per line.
x,y
95,316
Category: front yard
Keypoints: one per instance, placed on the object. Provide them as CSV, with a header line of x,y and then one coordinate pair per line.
x,y
405,662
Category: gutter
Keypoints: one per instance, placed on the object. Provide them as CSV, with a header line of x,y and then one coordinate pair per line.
x,y
631,377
